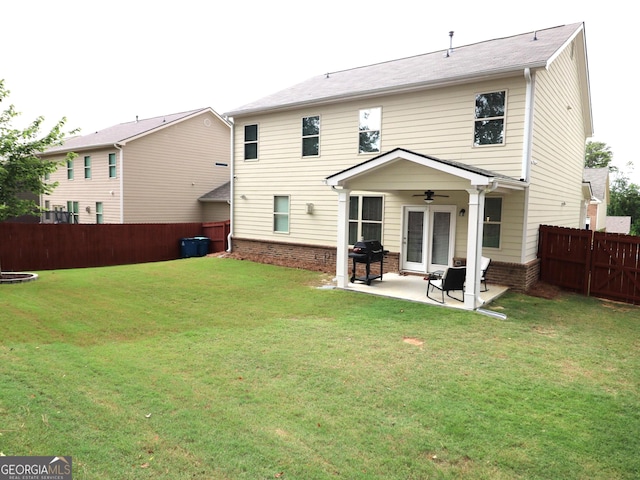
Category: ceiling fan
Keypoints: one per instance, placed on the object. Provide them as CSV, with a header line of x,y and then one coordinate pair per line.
x,y
428,196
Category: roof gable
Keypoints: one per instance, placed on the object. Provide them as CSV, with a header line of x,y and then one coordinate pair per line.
x,y
126,132
481,60
599,180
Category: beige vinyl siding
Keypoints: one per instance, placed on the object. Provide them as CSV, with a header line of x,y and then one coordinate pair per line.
x,y
88,191
168,170
557,151
437,122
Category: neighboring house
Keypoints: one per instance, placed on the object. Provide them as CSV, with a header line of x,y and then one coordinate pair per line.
x,y
618,225
146,171
443,157
598,179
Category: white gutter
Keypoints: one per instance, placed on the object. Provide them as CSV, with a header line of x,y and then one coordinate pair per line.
x,y
121,181
232,186
528,125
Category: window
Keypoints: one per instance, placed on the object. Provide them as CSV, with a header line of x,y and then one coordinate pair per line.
x,y
310,136
99,217
365,218
73,209
281,214
370,120
112,165
490,116
69,169
87,167
47,210
250,142
492,222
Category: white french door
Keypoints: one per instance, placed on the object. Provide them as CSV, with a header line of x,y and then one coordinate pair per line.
x,y
428,237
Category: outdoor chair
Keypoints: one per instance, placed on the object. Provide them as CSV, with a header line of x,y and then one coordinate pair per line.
x,y
452,280
484,266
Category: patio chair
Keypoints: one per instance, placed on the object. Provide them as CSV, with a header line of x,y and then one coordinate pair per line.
x,y
452,280
484,266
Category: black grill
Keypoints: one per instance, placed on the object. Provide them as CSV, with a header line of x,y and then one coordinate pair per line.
x,y
367,252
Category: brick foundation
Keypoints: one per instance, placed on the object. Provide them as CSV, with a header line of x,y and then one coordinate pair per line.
x,y
323,259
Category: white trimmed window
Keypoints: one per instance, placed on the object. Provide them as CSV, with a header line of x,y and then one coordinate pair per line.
x,y
281,214
490,118
251,142
492,228
69,169
369,130
113,173
311,136
99,213
73,208
365,218
87,167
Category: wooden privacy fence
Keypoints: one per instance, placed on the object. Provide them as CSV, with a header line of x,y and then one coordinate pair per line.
x,y
605,265
25,247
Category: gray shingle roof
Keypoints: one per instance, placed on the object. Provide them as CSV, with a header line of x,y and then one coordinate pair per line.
x,y
122,132
493,57
597,177
220,194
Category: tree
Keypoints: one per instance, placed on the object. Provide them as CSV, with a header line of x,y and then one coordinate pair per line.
x,y
624,200
598,155
22,171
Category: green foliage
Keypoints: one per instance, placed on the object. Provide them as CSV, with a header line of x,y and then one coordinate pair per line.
x,y
22,171
625,201
226,369
598,155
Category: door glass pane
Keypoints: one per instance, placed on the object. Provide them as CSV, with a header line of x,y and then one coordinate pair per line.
x,y
440,246
415,229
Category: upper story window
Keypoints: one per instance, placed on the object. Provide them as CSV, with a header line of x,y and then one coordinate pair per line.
x,y
112,165
365,218
489,118
310,136
87,167
251,142
369,130
492,222
69,169
281,214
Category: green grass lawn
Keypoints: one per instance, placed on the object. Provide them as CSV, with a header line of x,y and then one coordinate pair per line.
x,y
213,368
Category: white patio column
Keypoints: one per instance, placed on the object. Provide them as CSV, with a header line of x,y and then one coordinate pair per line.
x,y
474,248
342,253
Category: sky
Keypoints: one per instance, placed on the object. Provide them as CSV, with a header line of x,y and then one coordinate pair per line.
x,y
99,63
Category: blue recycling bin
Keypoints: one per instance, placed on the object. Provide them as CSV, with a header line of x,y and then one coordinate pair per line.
x,y
188,247
202,245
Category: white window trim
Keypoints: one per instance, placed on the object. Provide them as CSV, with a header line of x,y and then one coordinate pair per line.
x,y
501,223
503,117
303,136
288,214
362,131
359,221
245,142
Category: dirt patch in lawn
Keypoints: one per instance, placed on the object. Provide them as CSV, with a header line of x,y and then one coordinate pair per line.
x,y
544,290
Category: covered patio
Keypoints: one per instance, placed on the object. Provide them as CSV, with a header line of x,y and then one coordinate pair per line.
x,y
414,288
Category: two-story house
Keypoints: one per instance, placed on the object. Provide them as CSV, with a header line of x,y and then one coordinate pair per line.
x,y
157,170
444,158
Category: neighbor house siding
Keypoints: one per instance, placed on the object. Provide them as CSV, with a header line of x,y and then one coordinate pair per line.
x,y
436,122
88,191
167,170
558,150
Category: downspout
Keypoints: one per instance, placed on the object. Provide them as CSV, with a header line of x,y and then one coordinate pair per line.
x,y
232,186
528,125
121,155
527,147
